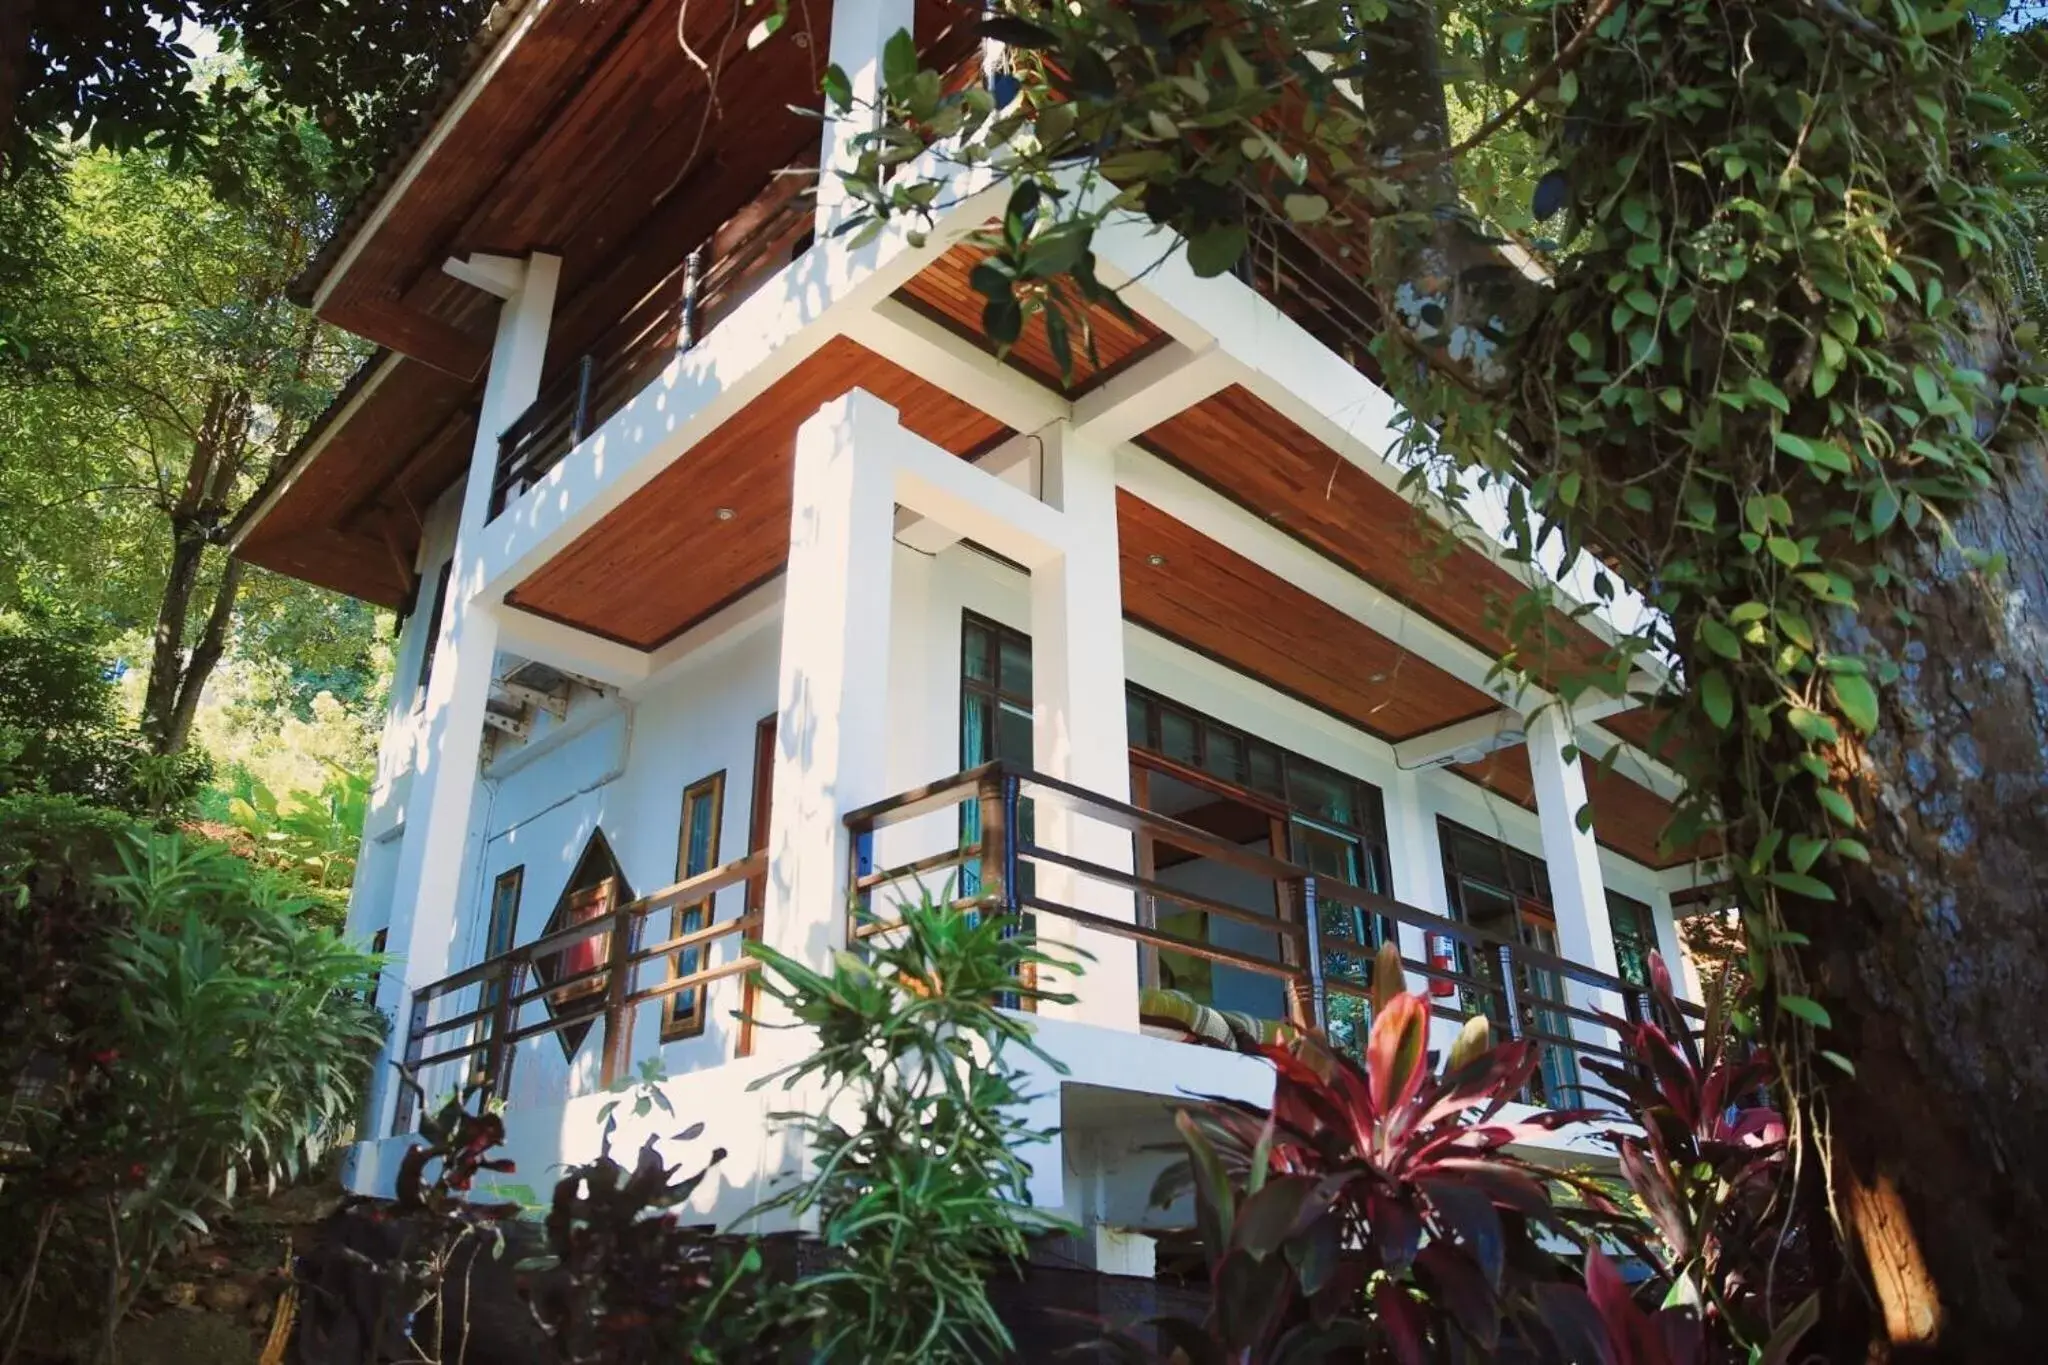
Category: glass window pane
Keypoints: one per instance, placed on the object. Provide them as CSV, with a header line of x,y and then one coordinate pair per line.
x,y
974,730
1635,937
1177,736
1016,661
698,857
1265,769
974,652
1135,715
1013,734
1225,756
1321,792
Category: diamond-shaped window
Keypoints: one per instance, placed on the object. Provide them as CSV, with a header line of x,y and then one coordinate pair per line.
x,y
595,888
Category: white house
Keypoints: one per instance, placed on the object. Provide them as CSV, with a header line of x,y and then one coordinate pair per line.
x,y
711,530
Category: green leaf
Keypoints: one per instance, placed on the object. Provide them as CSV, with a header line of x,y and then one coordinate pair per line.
x,y
1807,1008
1857,699
1767,392
1720,639
838,89
1803,850
1812,725
1215,251
1801,884
1306,208
1836,1059
899,58
1837,806
1716,699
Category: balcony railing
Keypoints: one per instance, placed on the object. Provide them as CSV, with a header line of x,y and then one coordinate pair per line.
x,y
707,283
1323,943
581,975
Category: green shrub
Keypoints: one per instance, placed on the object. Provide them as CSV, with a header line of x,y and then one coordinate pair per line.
x,y
180,1029
919,1192
61,727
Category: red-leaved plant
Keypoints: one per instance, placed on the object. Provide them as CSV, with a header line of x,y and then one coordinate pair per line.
x,y
1381,1211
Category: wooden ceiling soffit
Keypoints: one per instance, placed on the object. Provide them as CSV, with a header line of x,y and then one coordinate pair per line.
x,y
1187,587
461,155
943,293
715,524
1243,448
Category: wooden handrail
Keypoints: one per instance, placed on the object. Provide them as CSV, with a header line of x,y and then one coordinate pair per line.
x,y
614,977
1302,944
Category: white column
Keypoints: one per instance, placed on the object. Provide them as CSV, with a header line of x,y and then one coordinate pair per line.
x,y
424,931
1577,890
833,697
861,29
1079,732
1417,880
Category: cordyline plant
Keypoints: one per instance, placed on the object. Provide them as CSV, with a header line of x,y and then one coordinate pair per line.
x,y
919,1190
627,1282
1379,1210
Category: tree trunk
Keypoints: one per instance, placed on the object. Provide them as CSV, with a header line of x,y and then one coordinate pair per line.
x,y
167,656
1936,967
205,657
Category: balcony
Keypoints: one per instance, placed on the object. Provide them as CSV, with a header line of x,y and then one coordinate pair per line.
x,y
671,317
1319,949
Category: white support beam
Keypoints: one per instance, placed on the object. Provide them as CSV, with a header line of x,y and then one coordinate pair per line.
x,y
1578,891
1016,462
1162,385
571,650
861,29
423,933
1465,741
933,353
502,276
1630,761
1079,724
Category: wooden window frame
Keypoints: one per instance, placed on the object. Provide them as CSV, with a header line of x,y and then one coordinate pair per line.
x,y
760,822
682,1014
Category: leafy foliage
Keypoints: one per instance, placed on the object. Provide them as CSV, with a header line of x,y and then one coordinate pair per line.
x,y
120,76
1379,1210
181,1029
313,837
627,1282
919,1190
61,727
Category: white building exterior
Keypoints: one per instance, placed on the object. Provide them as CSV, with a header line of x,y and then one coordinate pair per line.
x,y
488,797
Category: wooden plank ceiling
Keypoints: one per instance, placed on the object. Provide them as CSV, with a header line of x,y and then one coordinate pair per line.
x,y
941,292
351,519
1246,450
1191,589
664,559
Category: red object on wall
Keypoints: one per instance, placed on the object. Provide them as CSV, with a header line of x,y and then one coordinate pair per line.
x,y
1440,958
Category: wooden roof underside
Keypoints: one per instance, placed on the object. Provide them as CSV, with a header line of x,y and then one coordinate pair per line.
x,y
598,138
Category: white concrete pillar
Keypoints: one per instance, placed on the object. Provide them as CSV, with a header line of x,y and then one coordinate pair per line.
x,y
833,696
424,930
1578,892
861,29
1418,881
1079,731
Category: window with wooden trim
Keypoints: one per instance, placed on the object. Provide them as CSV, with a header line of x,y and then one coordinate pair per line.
x,y
995,723
696,854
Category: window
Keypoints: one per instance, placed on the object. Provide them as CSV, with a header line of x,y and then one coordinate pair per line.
x,y
760,820
696,854
433,629
1506,891
995,723
596,887
504,922
1635,937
